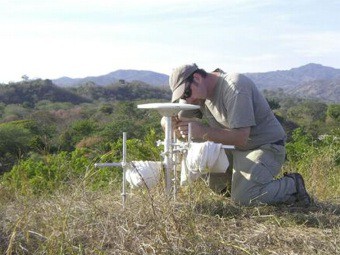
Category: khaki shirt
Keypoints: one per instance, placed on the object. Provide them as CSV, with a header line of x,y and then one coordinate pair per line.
x,y
237,103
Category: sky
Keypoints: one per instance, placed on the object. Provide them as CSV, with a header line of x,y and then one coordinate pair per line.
x,y
79,38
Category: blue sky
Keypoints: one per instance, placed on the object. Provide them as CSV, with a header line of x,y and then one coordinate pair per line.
x,y
78,38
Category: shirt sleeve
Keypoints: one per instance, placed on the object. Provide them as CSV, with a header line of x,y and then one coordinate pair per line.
x,y
239,103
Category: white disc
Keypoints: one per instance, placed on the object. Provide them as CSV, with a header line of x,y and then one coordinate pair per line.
x,y
168,109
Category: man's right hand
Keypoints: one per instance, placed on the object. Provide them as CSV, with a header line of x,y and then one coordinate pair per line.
x,y
174,123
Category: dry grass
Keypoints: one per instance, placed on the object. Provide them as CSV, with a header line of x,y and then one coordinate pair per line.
x,y
78,221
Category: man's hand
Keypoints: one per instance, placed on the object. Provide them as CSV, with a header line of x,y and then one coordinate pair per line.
x,y
174,121
197,129
237,137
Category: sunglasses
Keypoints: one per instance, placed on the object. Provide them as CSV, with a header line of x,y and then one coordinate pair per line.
x,y
187,91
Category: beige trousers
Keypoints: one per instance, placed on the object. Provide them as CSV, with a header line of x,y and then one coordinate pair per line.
x,y
252,176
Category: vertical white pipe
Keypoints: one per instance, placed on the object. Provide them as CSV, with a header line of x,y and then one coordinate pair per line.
x,y
124,170
174,159
168,154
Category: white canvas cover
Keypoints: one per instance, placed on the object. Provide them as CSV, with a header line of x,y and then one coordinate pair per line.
x,y
143,173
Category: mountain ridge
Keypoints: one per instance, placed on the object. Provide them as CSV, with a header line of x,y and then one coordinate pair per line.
x,y
129,75
310,80
294,77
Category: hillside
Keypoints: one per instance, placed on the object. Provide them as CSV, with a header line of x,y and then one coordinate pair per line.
x,y
80,220
149,77
312,80
326,90
54,200
294,77
33,91
122,92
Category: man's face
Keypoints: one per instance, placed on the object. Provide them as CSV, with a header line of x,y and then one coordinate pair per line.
x,y
195,91
187,91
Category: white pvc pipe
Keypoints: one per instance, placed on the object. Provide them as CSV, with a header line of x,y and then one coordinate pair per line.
x,y
175,160
124,170
231,147
108,164
121,164
168,154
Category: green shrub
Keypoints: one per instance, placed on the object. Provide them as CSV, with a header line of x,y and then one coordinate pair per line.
x,y
39,174
318,161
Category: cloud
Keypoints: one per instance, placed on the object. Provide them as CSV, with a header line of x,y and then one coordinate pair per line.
x,y
79,37
313,44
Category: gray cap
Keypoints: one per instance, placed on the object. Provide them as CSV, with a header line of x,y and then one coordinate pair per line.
x,y
178,78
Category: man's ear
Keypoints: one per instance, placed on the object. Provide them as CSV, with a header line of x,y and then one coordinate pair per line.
x,y
197,78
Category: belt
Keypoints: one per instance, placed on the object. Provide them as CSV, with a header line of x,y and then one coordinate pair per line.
x,y
279,142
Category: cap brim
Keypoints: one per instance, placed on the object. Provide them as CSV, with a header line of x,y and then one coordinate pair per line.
x,y
178,92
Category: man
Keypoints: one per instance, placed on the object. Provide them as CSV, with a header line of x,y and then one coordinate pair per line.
x,y
237,114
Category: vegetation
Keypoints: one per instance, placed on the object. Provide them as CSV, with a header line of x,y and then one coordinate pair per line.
x,y
39,117
28,93
79,220
53,200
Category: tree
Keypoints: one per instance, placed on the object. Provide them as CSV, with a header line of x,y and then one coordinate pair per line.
x,y
79,130
273,104
309,111
106,108
333,111
25,77
15,142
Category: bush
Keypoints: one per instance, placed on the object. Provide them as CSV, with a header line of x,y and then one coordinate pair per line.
x,y
318,161
43,174
40,174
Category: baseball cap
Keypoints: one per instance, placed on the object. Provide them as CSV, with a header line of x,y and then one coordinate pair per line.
x,y
178,78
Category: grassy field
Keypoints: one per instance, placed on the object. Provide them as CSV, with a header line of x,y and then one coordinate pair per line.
x,y
82,217
76,220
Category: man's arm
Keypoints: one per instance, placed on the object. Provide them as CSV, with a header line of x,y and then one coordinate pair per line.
x,y
238,137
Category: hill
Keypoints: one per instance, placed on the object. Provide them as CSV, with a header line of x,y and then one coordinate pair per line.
x,y
149,77
123,92
311,81
33,91
294,77
325,90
